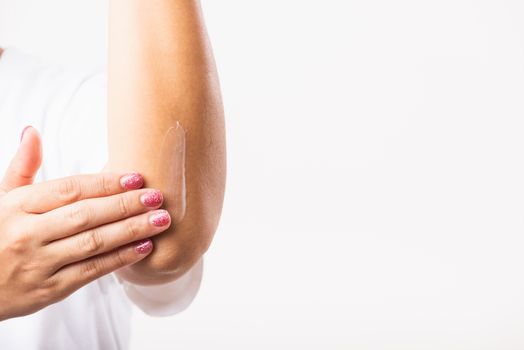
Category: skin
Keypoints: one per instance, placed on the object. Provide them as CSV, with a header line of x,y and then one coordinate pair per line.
x,y
162,72
81,228
60,235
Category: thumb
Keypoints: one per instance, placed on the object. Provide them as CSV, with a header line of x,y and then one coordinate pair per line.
x,y
26,162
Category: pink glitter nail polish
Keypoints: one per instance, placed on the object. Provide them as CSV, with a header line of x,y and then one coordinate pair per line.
x,y
152,198
132,181
144,247
160,218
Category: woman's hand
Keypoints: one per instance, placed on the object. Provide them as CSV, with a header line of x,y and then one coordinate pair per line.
x,y
57,236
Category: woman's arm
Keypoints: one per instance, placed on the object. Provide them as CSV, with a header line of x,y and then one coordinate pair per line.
x,y
165,120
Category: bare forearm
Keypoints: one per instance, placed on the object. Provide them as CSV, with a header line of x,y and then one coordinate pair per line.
x,y
162,76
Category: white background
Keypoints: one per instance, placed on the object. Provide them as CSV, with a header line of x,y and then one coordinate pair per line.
x,y
375,195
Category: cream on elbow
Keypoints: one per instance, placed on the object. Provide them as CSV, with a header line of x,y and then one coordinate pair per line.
x,y
172,160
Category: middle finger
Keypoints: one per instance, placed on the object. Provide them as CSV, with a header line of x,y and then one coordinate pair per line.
x,y
89,213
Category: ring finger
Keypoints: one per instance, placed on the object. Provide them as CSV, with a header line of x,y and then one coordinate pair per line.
x,y
89,213
105,238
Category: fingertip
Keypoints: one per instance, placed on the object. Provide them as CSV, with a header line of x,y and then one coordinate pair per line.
x,y
27,132
28,158
23,132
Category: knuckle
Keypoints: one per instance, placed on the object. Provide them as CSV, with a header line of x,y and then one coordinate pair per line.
x,y
91,268
119,259
104,184
124,206
46,293
29,268
43,296
79,216
97,267
19,243
131,228
49,289
68,189
91,242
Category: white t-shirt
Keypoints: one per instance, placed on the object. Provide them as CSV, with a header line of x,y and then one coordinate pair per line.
x,y
68,107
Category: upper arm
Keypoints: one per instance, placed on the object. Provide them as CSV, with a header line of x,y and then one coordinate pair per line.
x,y
162,74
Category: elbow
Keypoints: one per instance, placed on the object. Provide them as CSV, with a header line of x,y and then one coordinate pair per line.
x,y
190,235
180,247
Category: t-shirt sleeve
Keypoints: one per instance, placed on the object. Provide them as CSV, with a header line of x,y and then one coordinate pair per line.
x,y
68,106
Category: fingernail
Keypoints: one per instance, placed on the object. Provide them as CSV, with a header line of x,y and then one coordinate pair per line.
x,y
144,247
160,218
152,198
132,181
23,132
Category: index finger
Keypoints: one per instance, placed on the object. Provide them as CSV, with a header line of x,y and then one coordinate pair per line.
x,y
45,196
